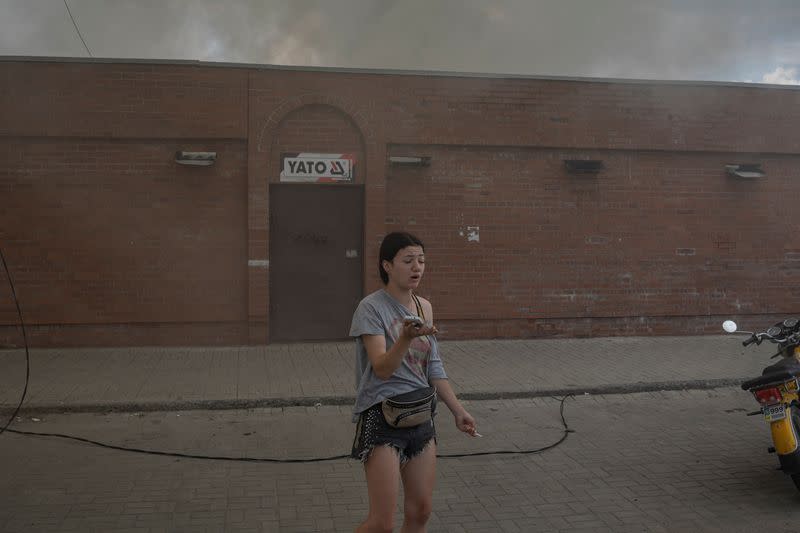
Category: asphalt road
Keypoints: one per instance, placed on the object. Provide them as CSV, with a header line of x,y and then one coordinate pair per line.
x,y
664,461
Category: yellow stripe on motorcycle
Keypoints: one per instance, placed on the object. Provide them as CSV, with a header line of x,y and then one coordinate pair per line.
x,y
783,435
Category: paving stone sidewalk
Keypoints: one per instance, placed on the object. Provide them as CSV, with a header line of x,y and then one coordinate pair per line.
x,y
159,378
658,462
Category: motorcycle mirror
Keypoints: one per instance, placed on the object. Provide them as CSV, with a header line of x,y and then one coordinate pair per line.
x,y
729,326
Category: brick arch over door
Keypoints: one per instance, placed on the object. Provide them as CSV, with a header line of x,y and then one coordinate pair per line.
x,y
317,128
347,109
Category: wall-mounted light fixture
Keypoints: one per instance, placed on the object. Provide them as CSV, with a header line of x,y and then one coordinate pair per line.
x,y
583,166
410,161
202,159
748,170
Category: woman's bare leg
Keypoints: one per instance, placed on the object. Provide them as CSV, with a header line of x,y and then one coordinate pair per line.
x,y
383,485
419,478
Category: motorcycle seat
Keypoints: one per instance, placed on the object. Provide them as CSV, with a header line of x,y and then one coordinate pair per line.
x,y
773,378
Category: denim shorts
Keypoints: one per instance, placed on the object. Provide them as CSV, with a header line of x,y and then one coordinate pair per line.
x,y
372,430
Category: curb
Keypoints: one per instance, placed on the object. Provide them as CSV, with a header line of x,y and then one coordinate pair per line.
x,y
316,401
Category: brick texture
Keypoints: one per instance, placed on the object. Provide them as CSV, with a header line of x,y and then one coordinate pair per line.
x,y
110,242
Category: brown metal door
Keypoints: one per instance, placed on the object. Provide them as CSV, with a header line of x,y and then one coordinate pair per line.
x,y
315,241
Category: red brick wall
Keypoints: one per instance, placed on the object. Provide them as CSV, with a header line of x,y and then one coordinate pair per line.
x,y
661,241
650,244
102,234
122,100
584,114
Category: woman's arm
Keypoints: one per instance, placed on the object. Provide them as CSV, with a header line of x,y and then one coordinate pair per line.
x,y
385,362
464,420
444,391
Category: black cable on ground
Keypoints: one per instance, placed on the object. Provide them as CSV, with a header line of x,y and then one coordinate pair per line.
x,y
567,431
178,454
25,340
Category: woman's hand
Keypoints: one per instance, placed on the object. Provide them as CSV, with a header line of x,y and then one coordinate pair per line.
x,y
464,420
412,329
465,423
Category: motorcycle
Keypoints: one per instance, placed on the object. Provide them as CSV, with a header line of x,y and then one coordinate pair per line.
x,y
777,390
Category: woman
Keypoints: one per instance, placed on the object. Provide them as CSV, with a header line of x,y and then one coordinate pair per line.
x,y
395,355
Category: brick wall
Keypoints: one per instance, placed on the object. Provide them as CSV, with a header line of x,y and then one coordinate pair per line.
x,y
656,242
122,100
111,242
105,236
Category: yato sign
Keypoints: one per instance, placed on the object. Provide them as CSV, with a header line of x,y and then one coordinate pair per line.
x,y
311,168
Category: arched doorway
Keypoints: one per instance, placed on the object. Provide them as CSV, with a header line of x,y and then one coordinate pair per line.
x,y
316,225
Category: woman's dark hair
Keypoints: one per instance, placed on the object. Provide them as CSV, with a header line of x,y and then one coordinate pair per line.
x,y
393,243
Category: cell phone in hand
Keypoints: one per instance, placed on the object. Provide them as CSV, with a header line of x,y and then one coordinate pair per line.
x,y
417,321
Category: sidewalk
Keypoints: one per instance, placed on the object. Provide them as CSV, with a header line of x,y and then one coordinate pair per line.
x,y
158,378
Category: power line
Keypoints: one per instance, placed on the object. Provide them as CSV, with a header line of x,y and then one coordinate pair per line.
x,y
76,29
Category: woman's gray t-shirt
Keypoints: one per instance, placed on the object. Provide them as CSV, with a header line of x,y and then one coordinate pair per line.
x,y
380,314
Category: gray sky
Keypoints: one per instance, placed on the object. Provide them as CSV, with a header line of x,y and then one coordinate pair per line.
x,y
723,40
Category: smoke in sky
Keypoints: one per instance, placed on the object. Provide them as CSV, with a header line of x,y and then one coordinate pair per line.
x,y
782,76
728,40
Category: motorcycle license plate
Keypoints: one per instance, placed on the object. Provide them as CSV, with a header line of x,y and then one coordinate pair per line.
x,y
774,412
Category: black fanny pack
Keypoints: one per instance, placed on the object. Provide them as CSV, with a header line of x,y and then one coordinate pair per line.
x,y
411,408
